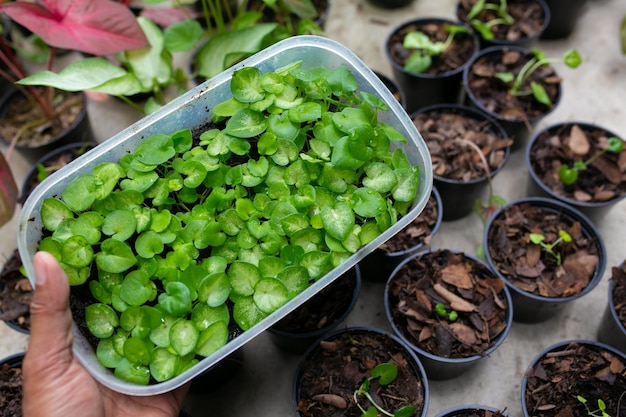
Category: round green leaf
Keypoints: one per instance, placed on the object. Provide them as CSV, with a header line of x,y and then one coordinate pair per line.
x,y
119,224
246,313
155,150
115,256
246,123
270,294
163,364
183,337
212,338
245,85
77,252
243,277
338,220
53,212
214,289
101,320
80,193
136,288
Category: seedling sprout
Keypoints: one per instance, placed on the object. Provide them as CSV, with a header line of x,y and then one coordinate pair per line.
x,y
571,58
386,373
441,311
600,412
484,28
569,174
539,239
420,60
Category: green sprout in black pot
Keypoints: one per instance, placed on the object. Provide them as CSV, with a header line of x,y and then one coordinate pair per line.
x,y
425,48
484,28
441,311
571,58
539,239
569,174
600,412
386,374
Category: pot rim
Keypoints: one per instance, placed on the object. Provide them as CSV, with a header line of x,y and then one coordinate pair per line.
x,y
416,363
498,341
476,102
587,226
476,114
548,190
419,20
452,411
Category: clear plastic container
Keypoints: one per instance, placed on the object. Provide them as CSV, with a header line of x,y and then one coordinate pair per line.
x,y
192,110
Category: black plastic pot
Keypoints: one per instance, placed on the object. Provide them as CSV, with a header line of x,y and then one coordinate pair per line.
x,y
525,42
390,4
216,376
79,131
378,265
439,367
611,329
586,378
314,358
593,209
73,150
13,323
474,410
563,17
11,394
424,89
517,129
297,341
532,308
457,196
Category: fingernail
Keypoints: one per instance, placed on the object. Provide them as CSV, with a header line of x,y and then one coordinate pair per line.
x,y
41,272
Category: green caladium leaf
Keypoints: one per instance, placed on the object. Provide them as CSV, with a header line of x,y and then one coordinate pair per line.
x,y
88,225
338,220
245,85
317,263
408,183
246,313
418,62
212,339
101,320
119,224
246,123
342,81
54,212
77,252
368,202
385,372
204,315
182,36
137,288
79,194
183,337
379,177
176,300
540,93
148,244
115,256
214,289
106,353
132,373
243,277
270,294
294,278
567,175
164,364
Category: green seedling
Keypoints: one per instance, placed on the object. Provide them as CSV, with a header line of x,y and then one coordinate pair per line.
x,y
569,174
484,28
441,311
386,373
600,412
421,59
292,176
539,239
571,58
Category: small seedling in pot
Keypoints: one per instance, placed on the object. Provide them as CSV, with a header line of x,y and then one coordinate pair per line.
x,y
420,60
386,374
571,58
539,239
484,28
441,311
600,412
569,174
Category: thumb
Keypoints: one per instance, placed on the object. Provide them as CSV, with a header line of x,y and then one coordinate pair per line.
x,y
50,316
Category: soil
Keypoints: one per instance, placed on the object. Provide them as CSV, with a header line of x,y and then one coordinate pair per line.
x,y
493,93
454,56
16,293
52,165
10,390
618,274
447,131
528,19
576,369
325,308
460,284
339,366
419,231
67,106
603,180
532,269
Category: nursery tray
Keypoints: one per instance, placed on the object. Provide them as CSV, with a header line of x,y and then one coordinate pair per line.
x,y
193,110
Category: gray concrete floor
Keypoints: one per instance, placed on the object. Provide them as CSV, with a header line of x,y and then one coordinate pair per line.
x,y
593,93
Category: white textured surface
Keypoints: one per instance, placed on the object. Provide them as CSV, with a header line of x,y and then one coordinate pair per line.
x,y
595,92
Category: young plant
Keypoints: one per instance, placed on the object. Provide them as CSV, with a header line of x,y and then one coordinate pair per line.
x,y
484,28
386,373
421,59
293,174
539,239
600,412
441,311
98,27
569,174
518,81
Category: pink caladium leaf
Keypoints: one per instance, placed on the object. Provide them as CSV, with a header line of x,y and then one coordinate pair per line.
x,y
98,27
8,192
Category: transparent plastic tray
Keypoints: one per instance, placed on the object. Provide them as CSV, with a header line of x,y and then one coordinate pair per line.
x,y
192,110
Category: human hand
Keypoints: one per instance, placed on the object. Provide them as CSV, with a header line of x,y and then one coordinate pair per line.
x,y
55,383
